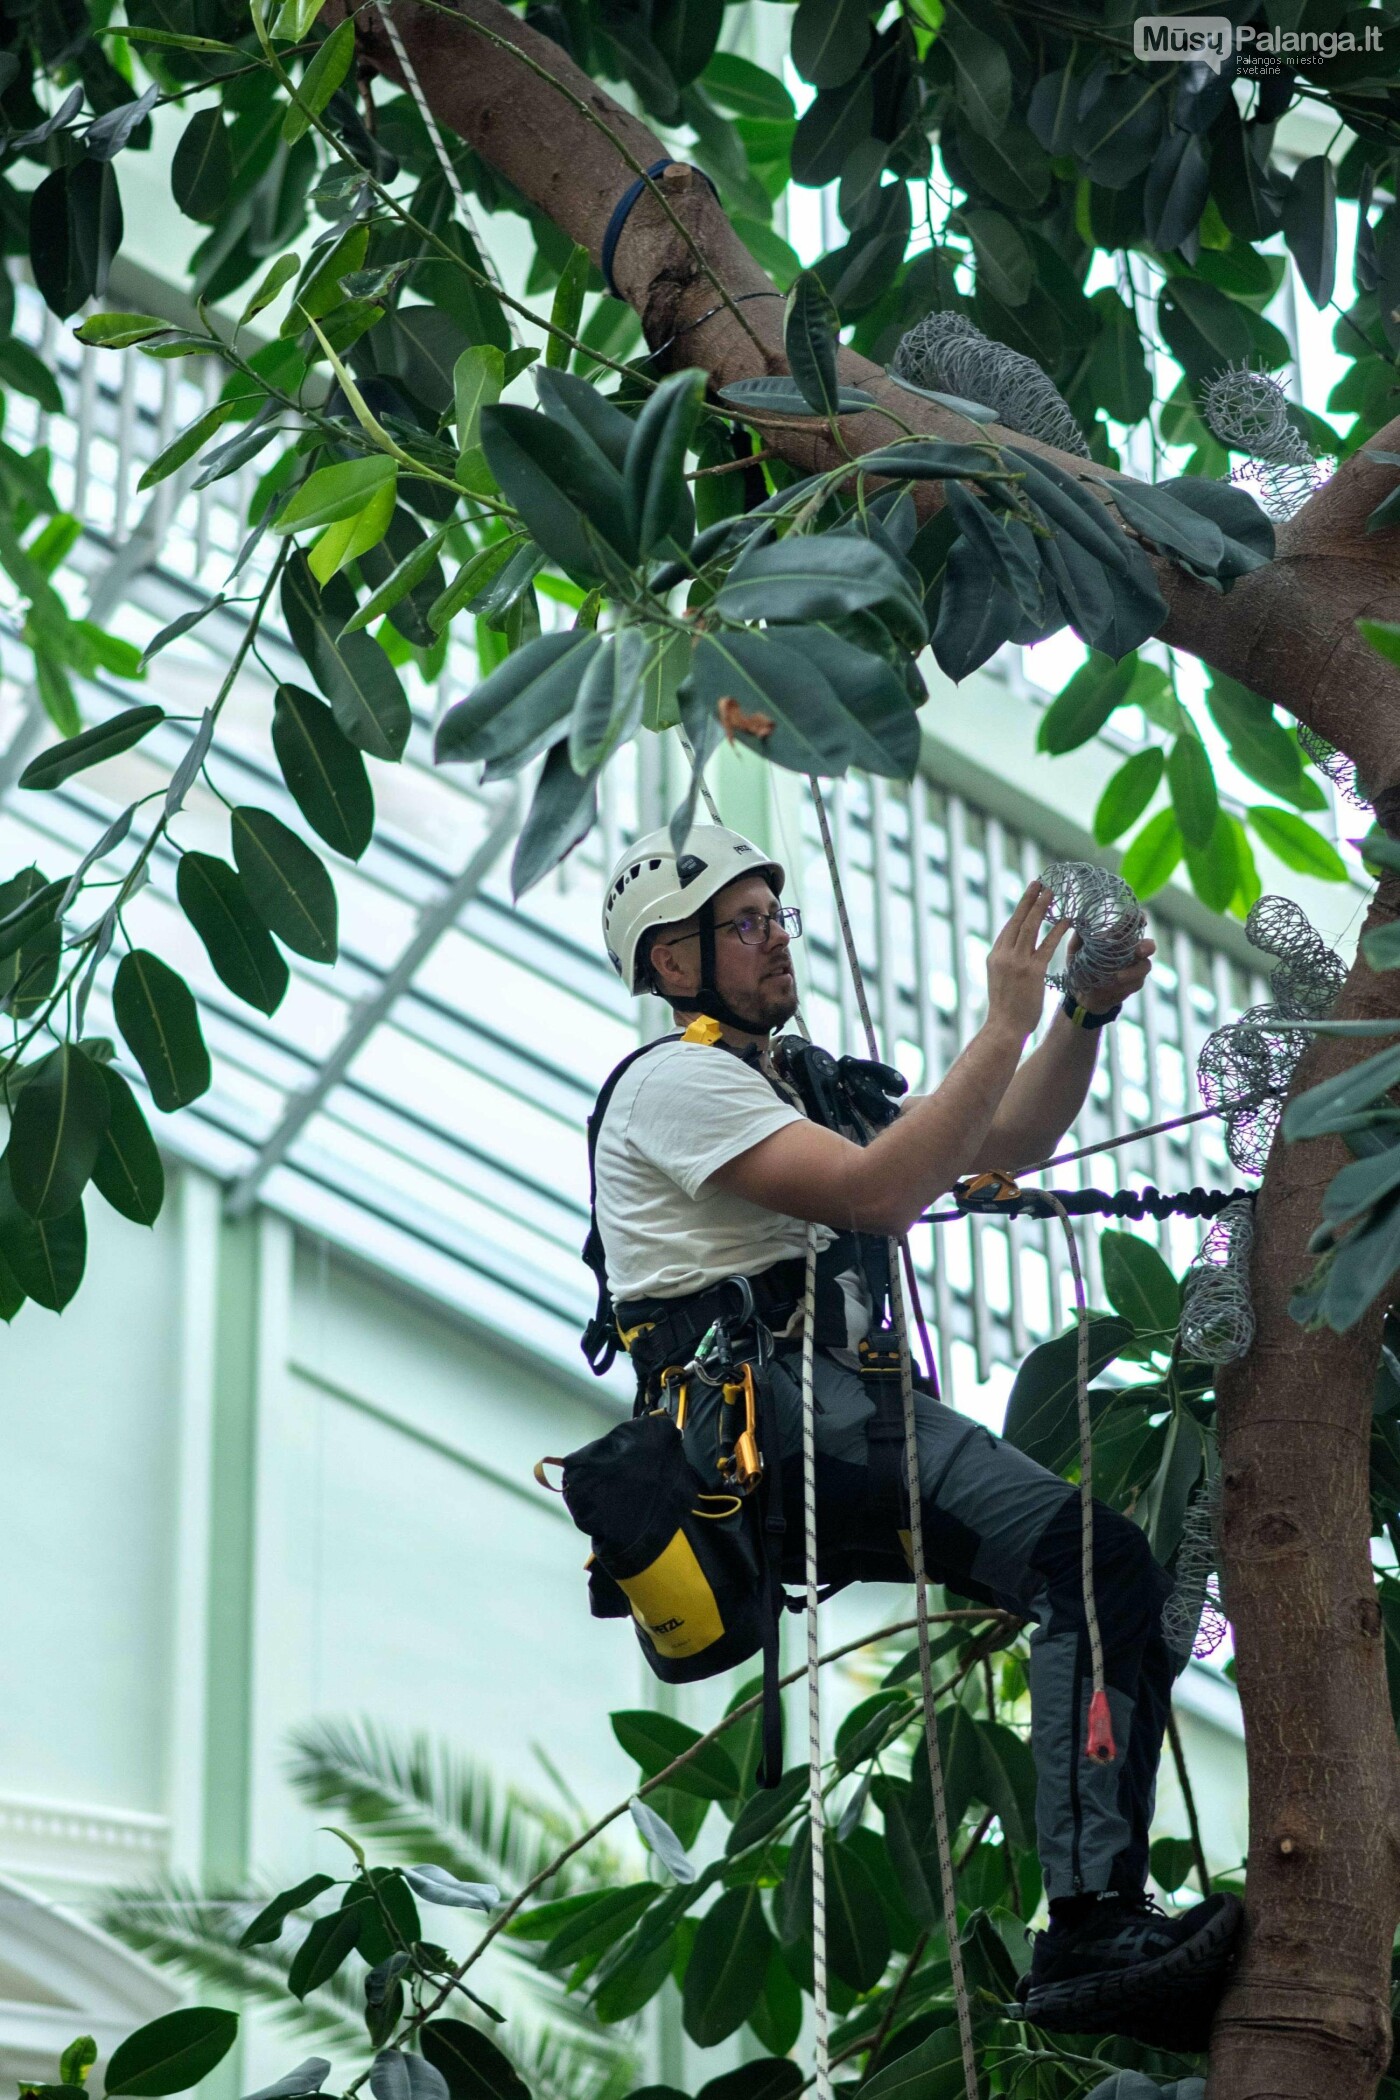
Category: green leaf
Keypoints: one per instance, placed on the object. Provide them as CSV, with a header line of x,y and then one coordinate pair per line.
x,y
882,728
286,883
1384,637
128,1170
1128,794
329,66
608,709
1004,262
403,578
1153,854
267,1925
1310,225
75,230
159,1022
1192,785
475,2069
328,1944
1041,1412
982,71
858,1934
173,2053
659,505
282,272
568,495
807,578
1117,376
383,1902
1175,528
746,90
1139,1284
1214,868
244,955
567,308
478,378
830,39
1172,1860
119,331
1322,1108
561,813
201,168
1161,1509
1080,709
1008,1780
336,492
777,2078
599,1925
26,373
324,772
369,704
45,1257
794,715
767,1810
777,395
932,2071
1259,744
77,2060
56,1131
727,1966
655,1740
1297,844
810,327
90,747
514,714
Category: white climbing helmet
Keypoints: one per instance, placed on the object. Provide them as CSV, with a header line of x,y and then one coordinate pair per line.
x,y
653,886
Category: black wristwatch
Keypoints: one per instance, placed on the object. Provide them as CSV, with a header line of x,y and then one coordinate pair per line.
x,y
1081,1016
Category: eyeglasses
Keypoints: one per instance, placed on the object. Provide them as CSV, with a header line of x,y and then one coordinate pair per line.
x,y
753,927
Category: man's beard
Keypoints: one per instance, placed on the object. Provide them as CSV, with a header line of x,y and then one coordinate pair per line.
x,y
775,1002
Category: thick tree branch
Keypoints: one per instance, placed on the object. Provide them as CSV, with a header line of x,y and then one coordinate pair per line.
x,y
1286,631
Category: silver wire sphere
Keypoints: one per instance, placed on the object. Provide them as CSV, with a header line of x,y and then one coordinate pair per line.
x,y
1334,765
1248,412
1217,1312
1307,976
1193,1616
945,353
1103,912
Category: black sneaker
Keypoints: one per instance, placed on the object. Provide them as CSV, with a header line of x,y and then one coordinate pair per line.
x,y
1129,1969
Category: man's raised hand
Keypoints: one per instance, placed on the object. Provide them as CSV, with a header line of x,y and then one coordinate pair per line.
x,y
1018,961
1112,991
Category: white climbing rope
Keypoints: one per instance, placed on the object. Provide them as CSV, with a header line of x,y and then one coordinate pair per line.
x,y
943,1837
430,125
816,1814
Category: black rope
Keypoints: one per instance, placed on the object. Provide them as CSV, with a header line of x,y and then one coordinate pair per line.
x,y
1121,1203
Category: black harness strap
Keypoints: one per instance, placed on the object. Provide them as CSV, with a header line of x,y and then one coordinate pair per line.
x,y
599,1341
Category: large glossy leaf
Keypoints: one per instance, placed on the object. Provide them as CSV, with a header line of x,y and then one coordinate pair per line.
x,y
884,732
777,395
610,696
369,703
830,39
514,714
173,2053
1004,262
128,1170
45,1257
727,1965
1248,533
810,326
1153,854
564,490
981,69
56,1131
327,1946
329,65
336,492
324,772
159,1022
90,747
975,614
1080,709
597,422
659,505
655,1740
75,229
599,1924
244,955
475,2069
785,706
809,578
1297,843
1139,1284
286,883
396,2076
561,813
930,2071
858,1934
1128,794
1259,744
1325,1107
1041,1412
201,168
773,2078
829,130
1178,185
1192,784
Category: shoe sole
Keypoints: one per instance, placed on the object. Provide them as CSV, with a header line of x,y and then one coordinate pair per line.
x,y
1102,2003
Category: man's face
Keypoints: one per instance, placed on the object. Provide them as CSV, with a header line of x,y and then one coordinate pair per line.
x,y
757,981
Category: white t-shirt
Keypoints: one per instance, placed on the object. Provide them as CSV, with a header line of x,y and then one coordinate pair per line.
x,y
678,1115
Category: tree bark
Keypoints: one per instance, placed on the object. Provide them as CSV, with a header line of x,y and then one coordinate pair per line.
x,y
1287,631
1309,2014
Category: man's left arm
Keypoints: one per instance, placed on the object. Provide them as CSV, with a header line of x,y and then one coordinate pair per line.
x,y
1051,1086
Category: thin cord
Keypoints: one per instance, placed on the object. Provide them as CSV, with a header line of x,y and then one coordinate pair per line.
x,y
815,1814
1131,1137
430,124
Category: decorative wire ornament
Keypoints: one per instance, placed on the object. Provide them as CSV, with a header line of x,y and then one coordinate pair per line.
x,y
1334,765
1217,1313
1103,912
1248,412
1250,1062
1193,1616
945,353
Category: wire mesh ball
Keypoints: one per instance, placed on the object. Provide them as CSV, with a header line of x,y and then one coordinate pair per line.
x,y
1193,1617
1217,1310
1248,412
1103,912
945,353
1334,765
1246,1068
1280,489
1307,976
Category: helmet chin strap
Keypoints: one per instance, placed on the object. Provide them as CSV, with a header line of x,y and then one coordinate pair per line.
x,y
707,998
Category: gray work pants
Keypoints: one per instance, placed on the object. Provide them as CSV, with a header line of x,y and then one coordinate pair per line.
x,y
1001,1529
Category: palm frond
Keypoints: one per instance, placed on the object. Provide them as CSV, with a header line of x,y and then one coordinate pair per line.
x,y
196,1932
420,1799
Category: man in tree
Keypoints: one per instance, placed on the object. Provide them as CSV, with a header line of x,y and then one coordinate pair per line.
x,y
708,1165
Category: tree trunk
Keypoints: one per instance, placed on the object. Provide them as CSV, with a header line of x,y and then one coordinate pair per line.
x,y
1309,2014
